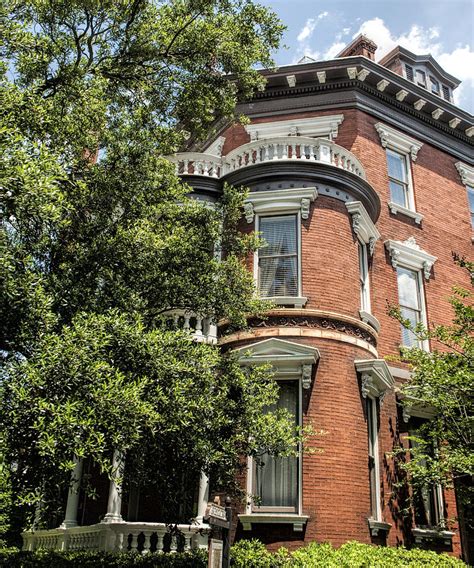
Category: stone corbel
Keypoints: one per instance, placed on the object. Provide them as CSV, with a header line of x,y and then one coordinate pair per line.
x,y
305,204
363,225
306,373
249,212
376,379
367,385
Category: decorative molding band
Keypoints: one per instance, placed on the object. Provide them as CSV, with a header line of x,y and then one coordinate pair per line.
x,y
376,379
396,140
363,225
318,126
298,521
410,255
286,357
466,172
279,201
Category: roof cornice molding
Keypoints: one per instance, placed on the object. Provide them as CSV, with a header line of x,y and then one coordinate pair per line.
x,y
396,140
466,172
410,255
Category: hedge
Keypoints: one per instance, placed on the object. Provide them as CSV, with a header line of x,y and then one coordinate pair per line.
x,y
83,559
253,554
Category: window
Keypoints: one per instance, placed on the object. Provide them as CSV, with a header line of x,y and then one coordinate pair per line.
x,y
374,467
398,178
276,480
364,278
409,72
401,149
420,78
434,86
278,258
446,93
409,297
470,196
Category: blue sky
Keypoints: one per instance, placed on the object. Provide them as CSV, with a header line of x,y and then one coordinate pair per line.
x,y
444,28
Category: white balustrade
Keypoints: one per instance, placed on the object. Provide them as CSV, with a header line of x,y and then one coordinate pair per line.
x,y
141,537
201,329
281,148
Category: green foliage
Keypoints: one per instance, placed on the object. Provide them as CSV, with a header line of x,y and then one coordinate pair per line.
x,y
253,554
442,381
47,559
99,239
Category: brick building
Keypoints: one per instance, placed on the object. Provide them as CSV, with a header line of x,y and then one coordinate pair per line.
x,y
361,178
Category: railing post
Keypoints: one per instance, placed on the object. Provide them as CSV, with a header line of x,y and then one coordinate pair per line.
x,y
203,497
325,152
70,516
114,504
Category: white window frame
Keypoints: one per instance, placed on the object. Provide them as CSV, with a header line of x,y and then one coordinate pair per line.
x,y
466,174
411,256
372,416
278,203
367,237
364,279
422,306
299,300
408,147
290,361
376,382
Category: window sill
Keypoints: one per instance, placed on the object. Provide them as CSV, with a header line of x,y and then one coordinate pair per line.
x,y
376,527
430,535
370,319
298,521
295,301
396,208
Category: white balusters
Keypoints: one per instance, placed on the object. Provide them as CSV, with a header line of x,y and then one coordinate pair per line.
x,y
159,542
173,543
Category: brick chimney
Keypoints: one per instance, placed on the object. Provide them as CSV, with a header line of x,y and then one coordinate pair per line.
x,y
361,45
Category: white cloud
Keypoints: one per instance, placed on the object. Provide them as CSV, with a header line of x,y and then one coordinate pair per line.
x,y
305,33
458,62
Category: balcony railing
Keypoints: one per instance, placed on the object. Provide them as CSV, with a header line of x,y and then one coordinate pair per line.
x,y
289,148
201,329
142,537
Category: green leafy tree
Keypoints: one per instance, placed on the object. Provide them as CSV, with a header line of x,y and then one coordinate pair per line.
x,y
99,239
442,380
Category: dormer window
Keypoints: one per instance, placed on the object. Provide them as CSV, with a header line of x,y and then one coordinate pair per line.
x,y
420,78
446,93
409,72
434,86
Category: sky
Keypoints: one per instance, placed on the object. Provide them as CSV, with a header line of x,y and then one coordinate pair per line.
x,y
444,28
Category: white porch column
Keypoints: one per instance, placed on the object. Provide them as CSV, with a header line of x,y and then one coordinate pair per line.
x,y
70,517
114,504
203,497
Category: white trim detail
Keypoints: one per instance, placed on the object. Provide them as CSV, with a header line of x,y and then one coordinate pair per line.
x,y
466,172
401,95
382,85
370,319
396,140
216,147
279,201
298,521
454,122
363,74
321,75
397,208
376,379
318,126
419,104
289,359
363,225
437,113
410,255
352,72
469,131
291,79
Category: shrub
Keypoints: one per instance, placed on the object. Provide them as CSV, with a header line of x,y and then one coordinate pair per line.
x,y
253,554
50,559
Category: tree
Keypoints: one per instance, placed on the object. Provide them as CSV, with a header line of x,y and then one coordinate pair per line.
x,y
99,239
442,380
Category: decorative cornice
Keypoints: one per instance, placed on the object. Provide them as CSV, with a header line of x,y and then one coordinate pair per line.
x,y
279,201
396,140
396,208
318,126
362,224
376,378
410,255
286,357
466,172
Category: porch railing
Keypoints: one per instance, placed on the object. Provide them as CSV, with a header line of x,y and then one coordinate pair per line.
x,y
201,329
141,537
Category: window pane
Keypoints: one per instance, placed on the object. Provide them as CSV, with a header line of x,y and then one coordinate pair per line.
x,y
279,234
277,478
470,196
409,339
408,288
396,166
398,193
278,276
